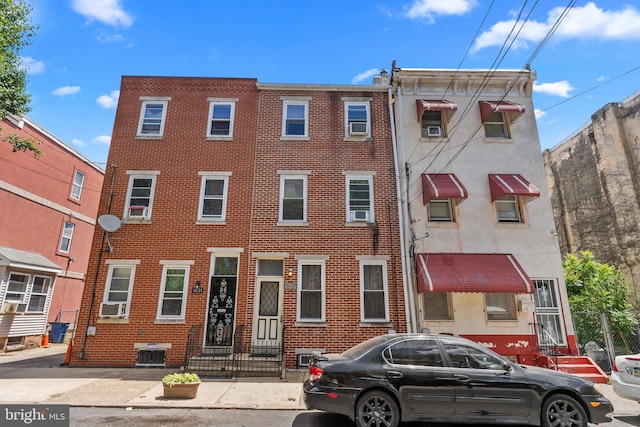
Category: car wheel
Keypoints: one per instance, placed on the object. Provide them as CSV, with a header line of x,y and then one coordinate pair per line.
x,y
560,410
377,409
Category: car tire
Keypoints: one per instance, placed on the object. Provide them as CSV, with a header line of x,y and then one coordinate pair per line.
x,y
377,409
563,410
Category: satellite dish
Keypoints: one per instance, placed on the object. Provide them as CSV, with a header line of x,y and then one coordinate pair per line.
x,y
109,223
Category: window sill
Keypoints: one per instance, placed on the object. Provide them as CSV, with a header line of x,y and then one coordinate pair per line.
x,y
444,224
375,324
292,224
74,201
358,139
107,320
169,321
438,139
149,136
285,138
219,138
498,140
506,224
136,221
360,224
211,222
310,324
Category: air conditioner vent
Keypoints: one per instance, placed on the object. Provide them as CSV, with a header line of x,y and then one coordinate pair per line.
x,y
138,212
116,309
357,128
360,216
434,131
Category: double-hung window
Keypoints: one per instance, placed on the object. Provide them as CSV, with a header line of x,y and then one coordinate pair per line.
x,y
140,194
311,291
373,291
360,199
67,234
173,292
293,198
76,187
357,118
440,210
500,306
152,116
221,117
508,209
213,196
17,287
117,294
295,118
39,293
496,125
437,306
432,125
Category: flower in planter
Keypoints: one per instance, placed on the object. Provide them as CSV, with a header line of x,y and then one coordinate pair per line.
x,y
180,378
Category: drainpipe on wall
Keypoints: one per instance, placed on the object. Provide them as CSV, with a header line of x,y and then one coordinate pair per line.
x,y
410,308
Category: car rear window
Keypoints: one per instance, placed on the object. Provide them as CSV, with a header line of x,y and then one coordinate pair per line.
x,y
363,347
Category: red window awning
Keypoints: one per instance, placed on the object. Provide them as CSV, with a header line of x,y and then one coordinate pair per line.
x,y
442,186
488,273
488,107
511,185
435,105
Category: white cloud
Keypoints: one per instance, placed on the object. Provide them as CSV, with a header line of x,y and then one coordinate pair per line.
x,y
109,101
66,90
364,76
586,22
539,113
32,66
109,12
102,140
429,9
558,88
78,143
602,78
107,38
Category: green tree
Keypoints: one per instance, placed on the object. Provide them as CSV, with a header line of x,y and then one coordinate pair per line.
x,y
599,288
16,31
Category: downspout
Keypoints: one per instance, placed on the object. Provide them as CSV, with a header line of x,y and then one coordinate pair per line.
x,y
399,173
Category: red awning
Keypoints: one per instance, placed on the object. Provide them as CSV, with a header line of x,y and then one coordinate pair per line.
x,y
512,185
442,186
435,105
488,107
486,273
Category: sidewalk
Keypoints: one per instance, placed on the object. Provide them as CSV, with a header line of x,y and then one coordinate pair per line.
x,y
35,376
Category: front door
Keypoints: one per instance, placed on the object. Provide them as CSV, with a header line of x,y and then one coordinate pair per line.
x,y
220,319
267,330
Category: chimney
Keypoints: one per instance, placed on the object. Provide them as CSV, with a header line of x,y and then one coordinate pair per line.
x,y
382,79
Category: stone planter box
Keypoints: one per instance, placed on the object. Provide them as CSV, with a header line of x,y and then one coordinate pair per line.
x,y
181,391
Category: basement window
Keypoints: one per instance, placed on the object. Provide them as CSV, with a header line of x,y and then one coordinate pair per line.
x,y
151,357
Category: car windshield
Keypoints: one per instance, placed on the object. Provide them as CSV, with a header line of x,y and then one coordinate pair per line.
x,y
363,347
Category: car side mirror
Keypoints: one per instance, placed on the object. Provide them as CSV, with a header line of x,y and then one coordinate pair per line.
x,y
507,366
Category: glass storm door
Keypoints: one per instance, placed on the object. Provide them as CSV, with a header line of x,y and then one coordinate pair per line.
x,y
269,310
220,319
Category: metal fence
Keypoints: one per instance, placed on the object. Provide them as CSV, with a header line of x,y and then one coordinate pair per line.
x,y
241,358
599,341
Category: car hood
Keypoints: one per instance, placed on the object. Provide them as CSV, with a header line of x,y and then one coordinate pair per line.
x,y
551,378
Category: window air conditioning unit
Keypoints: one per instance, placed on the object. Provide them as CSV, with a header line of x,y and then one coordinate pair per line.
x,y
360,216
434,131
115,309
357,128
10,307
140,212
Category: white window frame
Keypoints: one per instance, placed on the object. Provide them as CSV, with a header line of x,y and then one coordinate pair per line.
x,y
354,103
369,179
133,175
505,123
23,292
283,179
220,176
438,202
125,264
76,187
66,237
426,121
517,209
174,265
290,102
213,103
549,308
511,311
44,294
146,101
363,290
301,264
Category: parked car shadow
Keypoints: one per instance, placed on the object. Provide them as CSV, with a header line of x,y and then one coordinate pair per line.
x,y
326,419
632,420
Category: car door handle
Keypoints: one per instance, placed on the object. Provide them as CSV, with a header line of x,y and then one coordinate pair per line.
x,y
461,378
394,374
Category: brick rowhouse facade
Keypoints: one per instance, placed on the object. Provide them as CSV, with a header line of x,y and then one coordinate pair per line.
x,y
48,209
309,221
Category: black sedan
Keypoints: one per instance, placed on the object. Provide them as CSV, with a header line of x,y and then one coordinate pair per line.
x,y
442,378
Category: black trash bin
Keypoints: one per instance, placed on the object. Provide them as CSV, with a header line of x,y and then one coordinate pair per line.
x,y
58,331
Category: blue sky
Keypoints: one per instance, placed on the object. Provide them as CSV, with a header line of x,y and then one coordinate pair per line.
x,y
83,47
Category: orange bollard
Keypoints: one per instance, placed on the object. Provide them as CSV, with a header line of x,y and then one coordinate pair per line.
x,y
67,357
45,340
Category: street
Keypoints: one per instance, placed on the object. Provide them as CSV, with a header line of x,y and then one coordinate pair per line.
x,y
116,417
